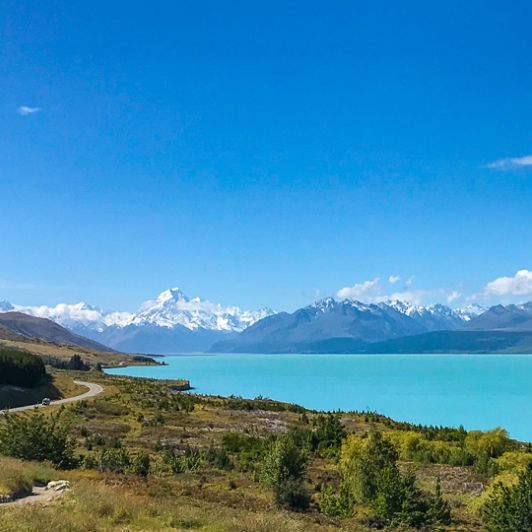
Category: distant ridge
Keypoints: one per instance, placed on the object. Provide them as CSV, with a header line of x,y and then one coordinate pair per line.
x,y
349,326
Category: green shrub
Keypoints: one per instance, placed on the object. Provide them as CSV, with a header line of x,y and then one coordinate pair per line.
x,y
282,472
339,504
37,438
509,509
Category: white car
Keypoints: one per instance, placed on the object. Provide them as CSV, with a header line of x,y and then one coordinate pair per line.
x,y
46,401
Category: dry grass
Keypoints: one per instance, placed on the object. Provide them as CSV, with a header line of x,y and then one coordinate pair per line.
x,y
17,477
64,351
93,506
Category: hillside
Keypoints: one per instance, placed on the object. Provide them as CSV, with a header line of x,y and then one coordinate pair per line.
x,y
55,386
27,325
455,342
64,351
148,458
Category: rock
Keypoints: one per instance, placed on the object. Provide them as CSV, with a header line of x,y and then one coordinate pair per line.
x,y
58,485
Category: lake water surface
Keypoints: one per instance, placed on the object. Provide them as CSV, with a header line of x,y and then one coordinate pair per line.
x,y
476,391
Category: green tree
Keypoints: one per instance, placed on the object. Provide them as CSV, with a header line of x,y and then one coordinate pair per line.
x,y
282,472
329,432
340,504
19,368
368,461
510,507
140,464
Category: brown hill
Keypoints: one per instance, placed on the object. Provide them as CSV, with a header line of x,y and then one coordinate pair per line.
x,y
27,325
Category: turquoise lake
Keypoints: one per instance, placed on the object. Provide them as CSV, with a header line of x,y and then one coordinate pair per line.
x,y
476,391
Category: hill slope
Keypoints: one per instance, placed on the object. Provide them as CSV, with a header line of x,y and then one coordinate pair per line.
x,y
26,325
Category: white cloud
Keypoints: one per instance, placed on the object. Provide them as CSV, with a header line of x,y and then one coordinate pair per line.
x,y
408,296
453,296
410,280
366,291
511,162
25,110
518,285
374,292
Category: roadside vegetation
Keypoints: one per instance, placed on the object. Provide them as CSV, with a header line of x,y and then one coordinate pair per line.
x,y
19,368
146,456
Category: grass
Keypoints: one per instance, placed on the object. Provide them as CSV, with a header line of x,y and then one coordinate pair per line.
x,y
94,506
143,415
17,477
64,351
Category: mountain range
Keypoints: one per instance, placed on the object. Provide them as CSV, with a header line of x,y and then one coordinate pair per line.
x,y
348,326
328,323
173,323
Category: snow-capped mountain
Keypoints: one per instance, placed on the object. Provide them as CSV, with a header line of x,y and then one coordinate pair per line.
x,y
171,323
327,323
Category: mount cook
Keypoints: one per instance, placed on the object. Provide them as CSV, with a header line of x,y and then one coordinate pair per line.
x,y
172,323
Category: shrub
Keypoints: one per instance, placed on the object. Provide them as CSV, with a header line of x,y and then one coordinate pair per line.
x,y
339,504
37,438
140,465
282,472
510,507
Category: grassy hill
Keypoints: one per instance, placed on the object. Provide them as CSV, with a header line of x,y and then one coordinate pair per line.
x,y
31,326
62,350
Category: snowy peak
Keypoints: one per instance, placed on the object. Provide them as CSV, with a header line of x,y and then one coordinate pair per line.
x,y
170,309
432,317
172,294
6,306
324,304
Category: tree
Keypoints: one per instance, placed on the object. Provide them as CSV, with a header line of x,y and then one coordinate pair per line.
x,y
362,462
329,432
370,469
19,368
510,507
282,472
140,465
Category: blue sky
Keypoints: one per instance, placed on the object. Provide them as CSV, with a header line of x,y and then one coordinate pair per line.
x,y
264,153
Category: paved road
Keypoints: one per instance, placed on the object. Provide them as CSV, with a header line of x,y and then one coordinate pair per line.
x,y
94,389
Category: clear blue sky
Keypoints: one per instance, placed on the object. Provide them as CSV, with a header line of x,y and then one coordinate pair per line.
x,y
254,153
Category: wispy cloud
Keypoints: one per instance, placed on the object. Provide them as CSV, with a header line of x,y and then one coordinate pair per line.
x,y
453,296
511,162
377,291
368,290
25,110
518,285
